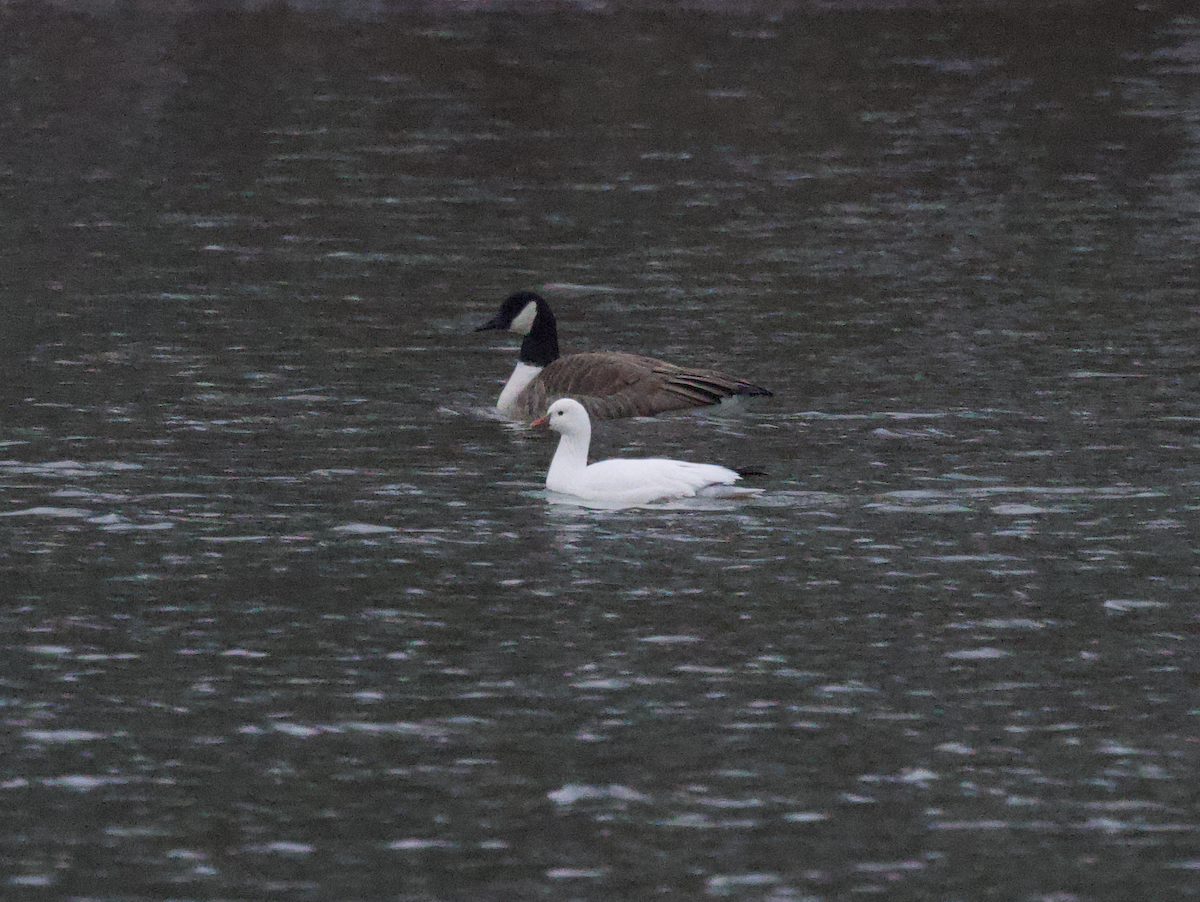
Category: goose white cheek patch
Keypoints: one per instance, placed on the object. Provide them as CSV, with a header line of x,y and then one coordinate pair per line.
x,y
523,321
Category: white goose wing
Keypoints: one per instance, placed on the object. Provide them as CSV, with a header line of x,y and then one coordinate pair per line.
x,y
649,479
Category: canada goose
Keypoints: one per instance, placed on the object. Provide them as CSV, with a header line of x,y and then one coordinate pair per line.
x,y
624,481
608,384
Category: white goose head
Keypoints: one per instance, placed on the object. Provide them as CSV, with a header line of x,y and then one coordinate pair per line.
x,y
567,416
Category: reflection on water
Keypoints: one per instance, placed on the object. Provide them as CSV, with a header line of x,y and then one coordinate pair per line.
x,y
289,613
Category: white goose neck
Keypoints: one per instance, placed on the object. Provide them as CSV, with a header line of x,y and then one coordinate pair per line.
x,y
570,459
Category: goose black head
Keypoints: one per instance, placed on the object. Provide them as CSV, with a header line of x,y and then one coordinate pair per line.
x,y
527,313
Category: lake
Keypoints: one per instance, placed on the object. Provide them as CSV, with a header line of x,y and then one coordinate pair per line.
x,y
287,612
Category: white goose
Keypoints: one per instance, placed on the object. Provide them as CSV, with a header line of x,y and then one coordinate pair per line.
x,y
624,481
608,383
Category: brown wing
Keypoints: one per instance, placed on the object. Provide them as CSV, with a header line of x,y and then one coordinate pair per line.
x,y
612,384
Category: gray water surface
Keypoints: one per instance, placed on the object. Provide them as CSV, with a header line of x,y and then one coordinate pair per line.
x,y
287,613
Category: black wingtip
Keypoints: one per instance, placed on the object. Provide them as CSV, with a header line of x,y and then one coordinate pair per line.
x,y
756,391
745,472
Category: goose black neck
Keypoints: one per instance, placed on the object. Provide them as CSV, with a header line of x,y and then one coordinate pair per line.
x,y
540,347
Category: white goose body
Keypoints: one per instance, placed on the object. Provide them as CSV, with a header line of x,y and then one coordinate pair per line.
x,y
620,481
607,383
